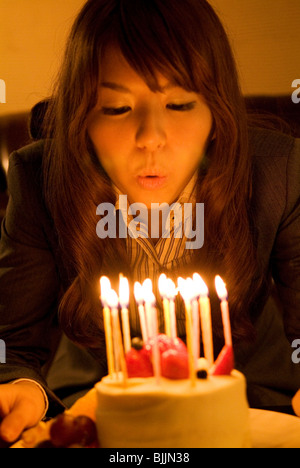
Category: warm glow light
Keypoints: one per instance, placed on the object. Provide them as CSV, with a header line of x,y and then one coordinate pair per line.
x,y
162,285
170,288
221,288
186,288
105,287
124,291
148,292
200,285
112,299
138,292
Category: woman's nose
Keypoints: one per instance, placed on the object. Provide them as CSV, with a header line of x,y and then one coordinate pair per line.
x,y
150,135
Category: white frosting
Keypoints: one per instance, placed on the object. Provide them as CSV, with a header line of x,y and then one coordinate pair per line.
x,y
214,413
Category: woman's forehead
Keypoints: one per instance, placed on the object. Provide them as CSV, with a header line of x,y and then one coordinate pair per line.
x,y
117,69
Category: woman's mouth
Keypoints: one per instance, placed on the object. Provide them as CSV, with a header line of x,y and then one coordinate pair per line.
x,y
151,182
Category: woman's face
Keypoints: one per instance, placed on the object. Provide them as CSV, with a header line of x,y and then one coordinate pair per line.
x,y
149,143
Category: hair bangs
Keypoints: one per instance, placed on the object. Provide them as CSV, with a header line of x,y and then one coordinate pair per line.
x,y
153,45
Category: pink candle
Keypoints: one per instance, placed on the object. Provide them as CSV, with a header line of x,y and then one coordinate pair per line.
x,y
222,293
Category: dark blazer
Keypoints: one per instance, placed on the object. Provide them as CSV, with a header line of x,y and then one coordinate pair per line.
x,y
31,275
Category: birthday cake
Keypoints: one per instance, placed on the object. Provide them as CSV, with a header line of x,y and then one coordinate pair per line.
x,y
174,412
159,392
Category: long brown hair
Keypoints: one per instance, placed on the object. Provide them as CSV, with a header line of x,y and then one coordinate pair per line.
x,y
185,41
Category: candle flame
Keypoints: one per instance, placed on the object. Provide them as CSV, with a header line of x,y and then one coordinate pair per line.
x,y
148,295
147,285
171,289
162,285
105,287
138,292
112,299
186,288
221,288
124,291
200,285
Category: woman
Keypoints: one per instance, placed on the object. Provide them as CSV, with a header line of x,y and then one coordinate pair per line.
x,y
147,105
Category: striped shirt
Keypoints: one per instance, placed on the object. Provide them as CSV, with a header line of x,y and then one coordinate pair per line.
x,y
149,259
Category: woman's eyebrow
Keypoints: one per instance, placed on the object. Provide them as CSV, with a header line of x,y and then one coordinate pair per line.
x,y
115,87
124,89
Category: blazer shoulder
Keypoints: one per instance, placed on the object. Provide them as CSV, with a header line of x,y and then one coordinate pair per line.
x,y
30,154
265,144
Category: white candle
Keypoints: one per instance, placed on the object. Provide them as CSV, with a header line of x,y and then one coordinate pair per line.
x,y
195,318
222,293
205,317
152,325
120,363
155,349
171,294
124,302
162,286
184,291
105,287
138,294
149,301
113,302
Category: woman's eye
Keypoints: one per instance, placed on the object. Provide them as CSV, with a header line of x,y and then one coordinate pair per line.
x,y
115,110
182,107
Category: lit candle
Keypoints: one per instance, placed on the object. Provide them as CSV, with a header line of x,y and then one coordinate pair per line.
x,y
205,317
162,286
155,352
113,302
138,294
171,294
104,289
149,300
222,293
124,302
195,319
120,364
186,295
152,325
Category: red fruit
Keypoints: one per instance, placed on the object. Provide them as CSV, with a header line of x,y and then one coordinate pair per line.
x,y
86,431
63,430
174,364
225,362
138,363
165,343
67,430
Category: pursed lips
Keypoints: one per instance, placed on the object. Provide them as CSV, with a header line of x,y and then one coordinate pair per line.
x,y
151,180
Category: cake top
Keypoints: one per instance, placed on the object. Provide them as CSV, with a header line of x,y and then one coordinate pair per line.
x,y
164,355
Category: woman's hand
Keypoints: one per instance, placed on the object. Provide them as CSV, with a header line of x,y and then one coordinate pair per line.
x,y
21,406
